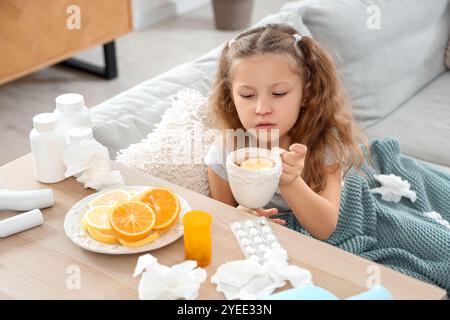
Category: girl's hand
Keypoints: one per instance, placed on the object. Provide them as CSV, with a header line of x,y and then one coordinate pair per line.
x,y
263,213
293,162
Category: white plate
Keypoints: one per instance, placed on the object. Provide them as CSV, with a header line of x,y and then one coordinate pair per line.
x,y
74,230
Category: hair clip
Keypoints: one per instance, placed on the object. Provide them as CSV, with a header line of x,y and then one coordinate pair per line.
x,y
297,37
231,42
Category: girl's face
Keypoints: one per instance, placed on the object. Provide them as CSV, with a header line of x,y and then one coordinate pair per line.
x,y
267,92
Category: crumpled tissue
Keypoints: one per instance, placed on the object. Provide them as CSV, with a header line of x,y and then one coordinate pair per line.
x,y
250,280
393,188
89,162
438,218
160,282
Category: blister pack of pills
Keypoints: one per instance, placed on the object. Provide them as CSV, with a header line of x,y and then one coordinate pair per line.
x,y
255,237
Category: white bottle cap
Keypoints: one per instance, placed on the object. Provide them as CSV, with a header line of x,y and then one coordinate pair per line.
x,y
69,102
78,134
44,122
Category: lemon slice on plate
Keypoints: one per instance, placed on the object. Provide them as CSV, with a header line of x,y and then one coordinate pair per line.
x,y
110,198
103,237
97,218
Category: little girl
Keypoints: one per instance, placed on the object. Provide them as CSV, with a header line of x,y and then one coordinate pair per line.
x,y
271,78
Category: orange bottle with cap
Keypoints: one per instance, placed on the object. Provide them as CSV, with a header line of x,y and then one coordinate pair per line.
x,y
197,237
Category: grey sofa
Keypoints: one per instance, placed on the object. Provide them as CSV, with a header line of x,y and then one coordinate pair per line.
x,y
390,55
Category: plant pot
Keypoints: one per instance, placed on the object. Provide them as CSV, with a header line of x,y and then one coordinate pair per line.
x,y
232,14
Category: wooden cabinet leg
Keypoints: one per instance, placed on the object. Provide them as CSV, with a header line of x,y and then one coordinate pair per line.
x,y
108,71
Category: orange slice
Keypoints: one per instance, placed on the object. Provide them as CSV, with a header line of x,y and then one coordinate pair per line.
x,y
132,220
166,229
165,203
102,237
110,198
133,244
97,218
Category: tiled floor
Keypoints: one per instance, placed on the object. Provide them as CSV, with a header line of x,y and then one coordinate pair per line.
x,y
141,55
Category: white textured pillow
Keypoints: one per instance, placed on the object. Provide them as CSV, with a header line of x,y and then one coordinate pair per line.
x,y
174,150
447,55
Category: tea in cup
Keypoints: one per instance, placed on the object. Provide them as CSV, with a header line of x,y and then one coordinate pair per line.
x,y
256,164
253,174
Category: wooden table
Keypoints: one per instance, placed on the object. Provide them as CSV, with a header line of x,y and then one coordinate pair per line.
x,y
38,263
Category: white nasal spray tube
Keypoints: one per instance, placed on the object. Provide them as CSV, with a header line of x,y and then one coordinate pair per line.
x,y
26,200
21,222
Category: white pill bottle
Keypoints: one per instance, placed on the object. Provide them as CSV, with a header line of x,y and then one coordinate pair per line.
x,y
71,112
47,148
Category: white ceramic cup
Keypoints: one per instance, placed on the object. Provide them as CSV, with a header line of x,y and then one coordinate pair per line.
x,y
253,188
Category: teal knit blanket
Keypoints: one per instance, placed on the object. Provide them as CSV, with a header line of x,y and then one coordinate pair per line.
x,y
396,235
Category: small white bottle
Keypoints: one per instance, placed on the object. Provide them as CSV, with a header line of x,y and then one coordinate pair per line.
x,y
47,147
71,112
79,134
